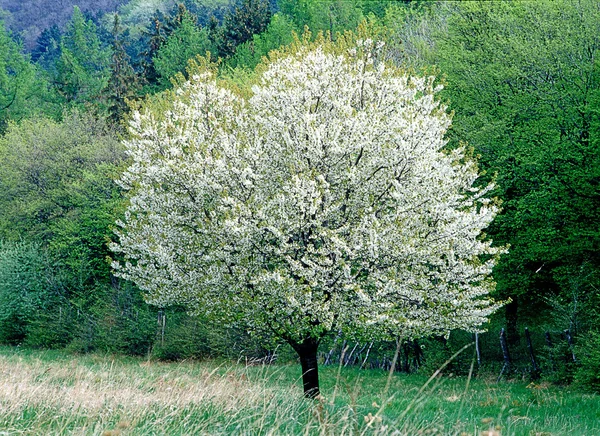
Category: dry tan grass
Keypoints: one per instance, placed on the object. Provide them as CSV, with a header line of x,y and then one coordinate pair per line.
x,y
76,386
111,398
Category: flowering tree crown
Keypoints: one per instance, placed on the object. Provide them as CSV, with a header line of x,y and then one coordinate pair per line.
x,y
326,200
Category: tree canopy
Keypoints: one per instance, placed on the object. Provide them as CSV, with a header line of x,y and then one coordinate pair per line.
x,y
23,90
326,201
524,80
83,66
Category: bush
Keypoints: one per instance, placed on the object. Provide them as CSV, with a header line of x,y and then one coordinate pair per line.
x,y
111,318
188,336
52,327
28,286
183,336
122,321
587,375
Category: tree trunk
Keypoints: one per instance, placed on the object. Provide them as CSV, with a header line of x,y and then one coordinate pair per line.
x,y
535,369
507,363
512,314
307,351
477,349
570,342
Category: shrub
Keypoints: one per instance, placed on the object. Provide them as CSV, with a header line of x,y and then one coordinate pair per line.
x,y
587,375
28,285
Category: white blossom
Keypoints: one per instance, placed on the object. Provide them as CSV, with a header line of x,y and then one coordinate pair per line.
x,y
327,200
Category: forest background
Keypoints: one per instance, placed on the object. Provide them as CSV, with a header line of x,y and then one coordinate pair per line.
x,y
523,79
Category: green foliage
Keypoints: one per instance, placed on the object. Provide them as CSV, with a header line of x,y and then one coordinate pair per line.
x,y
278,33
412,29
181,336
54,326
558,362
206,10
524,80
23,90
437,352
16,73
112,317
137,14
153,38
28,286
123,84
379,8
331,16
47,50
587,375
56,187
251,17
184,43
83,67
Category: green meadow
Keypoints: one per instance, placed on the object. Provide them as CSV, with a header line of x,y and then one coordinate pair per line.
x,y
52,392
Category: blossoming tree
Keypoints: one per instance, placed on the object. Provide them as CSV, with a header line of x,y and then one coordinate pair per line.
x,y
325,201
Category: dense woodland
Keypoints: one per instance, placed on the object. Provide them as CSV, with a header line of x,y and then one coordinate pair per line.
x,y
522,78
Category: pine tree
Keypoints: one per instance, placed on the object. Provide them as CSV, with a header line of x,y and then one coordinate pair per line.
x,y
123,83
154,38
47,50
185,42
83,67
250,18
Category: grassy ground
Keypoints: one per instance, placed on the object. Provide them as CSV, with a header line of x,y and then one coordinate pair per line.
x,y
48,392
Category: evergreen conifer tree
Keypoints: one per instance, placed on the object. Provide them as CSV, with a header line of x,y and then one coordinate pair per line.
x,y
250,18
123,83
83,68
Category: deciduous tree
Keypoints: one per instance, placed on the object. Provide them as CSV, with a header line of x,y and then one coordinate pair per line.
x,y
326,201
334,16
524,80
56,188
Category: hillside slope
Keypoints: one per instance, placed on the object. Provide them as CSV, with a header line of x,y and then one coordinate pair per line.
x,y
30,17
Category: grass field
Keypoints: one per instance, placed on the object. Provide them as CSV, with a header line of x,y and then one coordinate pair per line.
x,y
51,392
